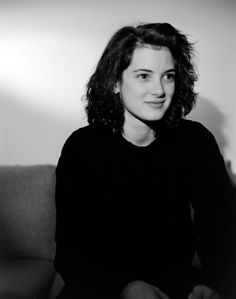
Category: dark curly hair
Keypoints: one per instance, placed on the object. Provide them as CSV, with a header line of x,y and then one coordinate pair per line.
x,y
105,108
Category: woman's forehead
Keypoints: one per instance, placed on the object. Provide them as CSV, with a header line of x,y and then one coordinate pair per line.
x,y
149,56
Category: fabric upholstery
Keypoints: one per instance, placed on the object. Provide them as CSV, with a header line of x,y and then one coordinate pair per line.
x,y
27,233
27,211
26,279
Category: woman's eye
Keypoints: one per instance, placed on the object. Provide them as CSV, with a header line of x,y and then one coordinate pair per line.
x,y
143,76
169,77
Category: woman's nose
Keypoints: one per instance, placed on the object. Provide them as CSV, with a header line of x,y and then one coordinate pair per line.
x,y
157,89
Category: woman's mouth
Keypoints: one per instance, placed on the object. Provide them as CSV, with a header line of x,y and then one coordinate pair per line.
x,y
155,104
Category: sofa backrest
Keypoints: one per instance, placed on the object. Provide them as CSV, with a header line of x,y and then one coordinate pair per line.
x,y
27,211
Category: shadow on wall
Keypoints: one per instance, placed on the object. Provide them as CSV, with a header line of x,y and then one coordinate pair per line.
x,y
30,135
212,118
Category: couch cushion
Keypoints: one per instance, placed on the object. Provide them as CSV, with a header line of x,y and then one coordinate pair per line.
x,y
27,211
26,279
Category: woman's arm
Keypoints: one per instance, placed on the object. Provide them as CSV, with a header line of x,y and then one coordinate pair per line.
x,y
214,216
72,187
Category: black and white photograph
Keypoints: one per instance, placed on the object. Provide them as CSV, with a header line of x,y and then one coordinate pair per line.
x,y
117,149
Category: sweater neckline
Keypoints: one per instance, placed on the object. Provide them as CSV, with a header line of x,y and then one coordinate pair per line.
x,y
133,146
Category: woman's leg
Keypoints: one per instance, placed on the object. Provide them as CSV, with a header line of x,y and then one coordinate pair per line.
x,y
142,290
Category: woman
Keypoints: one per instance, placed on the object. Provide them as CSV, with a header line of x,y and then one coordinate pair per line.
x,y
127,182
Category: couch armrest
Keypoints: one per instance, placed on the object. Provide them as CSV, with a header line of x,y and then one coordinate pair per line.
x,y
26,278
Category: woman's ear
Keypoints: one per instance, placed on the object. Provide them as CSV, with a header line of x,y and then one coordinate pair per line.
x,y
117,88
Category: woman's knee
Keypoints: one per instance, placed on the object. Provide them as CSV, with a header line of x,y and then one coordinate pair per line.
x,y
139,290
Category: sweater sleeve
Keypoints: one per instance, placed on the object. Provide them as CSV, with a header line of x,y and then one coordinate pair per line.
x,y
214,214
72,208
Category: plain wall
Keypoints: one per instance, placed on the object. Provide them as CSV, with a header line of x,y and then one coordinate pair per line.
x,y
48,50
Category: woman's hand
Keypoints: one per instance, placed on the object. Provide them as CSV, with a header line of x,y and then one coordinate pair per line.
x,y
203,292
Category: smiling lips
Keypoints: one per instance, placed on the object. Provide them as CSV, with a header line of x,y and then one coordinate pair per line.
x,y
155,104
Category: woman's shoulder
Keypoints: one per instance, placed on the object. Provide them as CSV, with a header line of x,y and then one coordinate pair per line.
x,y
193,126
195,131
199,138
84,133
84,138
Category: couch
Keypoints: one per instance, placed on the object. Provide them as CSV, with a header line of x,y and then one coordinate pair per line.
x,y
27,228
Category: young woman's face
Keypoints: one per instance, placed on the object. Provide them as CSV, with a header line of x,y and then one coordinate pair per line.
x,y
148,84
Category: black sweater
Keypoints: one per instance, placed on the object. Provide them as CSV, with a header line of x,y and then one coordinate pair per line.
x,y
124,211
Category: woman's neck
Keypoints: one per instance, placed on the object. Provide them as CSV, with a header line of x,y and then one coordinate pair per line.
x,y
139,134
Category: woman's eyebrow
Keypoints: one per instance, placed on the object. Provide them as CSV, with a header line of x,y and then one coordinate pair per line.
x,y
150,71
143,70
170,70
